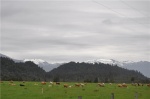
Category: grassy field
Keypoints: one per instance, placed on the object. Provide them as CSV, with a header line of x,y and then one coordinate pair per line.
x,y
90,91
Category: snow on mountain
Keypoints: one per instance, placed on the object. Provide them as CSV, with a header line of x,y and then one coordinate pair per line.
x,y
141,66
43,64
105,61
36,61
127,62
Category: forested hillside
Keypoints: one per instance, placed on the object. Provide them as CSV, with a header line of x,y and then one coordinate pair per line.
x,y
98,72
20,71
77,72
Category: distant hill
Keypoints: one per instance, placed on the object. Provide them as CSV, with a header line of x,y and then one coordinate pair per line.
x,y
142,66
94,70
11,70
89,72
43,64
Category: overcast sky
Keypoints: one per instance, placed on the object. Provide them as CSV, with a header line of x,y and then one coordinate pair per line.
x,y
76,30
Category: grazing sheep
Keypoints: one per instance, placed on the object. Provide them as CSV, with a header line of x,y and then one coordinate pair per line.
x,y
101,84
12,84
57,83
43,83
137,84
122,85
119,85
82,85
134,84
51,83
140,84
77,85
70,86
65,85
148,85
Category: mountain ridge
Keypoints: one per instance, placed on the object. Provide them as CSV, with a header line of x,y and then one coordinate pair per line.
x,y
72,71
131,65
43,64
75,71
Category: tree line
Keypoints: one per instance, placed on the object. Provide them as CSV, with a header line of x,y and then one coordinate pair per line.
x,y
98,72
20,71
72,71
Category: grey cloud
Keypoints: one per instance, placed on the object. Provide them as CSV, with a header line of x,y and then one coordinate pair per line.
x,y
75,30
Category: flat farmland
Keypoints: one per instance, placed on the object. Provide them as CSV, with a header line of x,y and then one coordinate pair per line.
x,y
35,90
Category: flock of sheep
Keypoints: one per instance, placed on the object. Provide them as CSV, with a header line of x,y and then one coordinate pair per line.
x,y
76,84
98,84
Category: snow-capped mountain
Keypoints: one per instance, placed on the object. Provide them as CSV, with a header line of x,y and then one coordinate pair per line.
x,y
36,61
43,64
105,61
110,61
141,66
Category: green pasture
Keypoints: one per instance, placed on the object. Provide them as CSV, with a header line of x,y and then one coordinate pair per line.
x,y
90,91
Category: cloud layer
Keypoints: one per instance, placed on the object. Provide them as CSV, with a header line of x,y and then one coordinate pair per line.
x,y
59,31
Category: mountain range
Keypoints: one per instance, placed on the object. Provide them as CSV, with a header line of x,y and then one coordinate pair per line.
x,y
98,72
43,64
141,66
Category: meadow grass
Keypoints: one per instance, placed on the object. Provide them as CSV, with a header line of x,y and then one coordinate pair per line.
x,y
90,91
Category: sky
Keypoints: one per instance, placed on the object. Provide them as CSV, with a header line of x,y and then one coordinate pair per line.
x,y
76,30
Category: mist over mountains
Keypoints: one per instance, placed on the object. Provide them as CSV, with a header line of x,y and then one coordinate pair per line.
x,y
141,66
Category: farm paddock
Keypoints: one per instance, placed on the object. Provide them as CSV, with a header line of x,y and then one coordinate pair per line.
x,y
71,90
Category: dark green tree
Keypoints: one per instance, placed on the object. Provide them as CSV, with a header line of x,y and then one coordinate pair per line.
x,y
96,80
132,79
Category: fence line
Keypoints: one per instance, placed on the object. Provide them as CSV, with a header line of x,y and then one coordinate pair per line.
x,y
79,97
112,96
136,95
